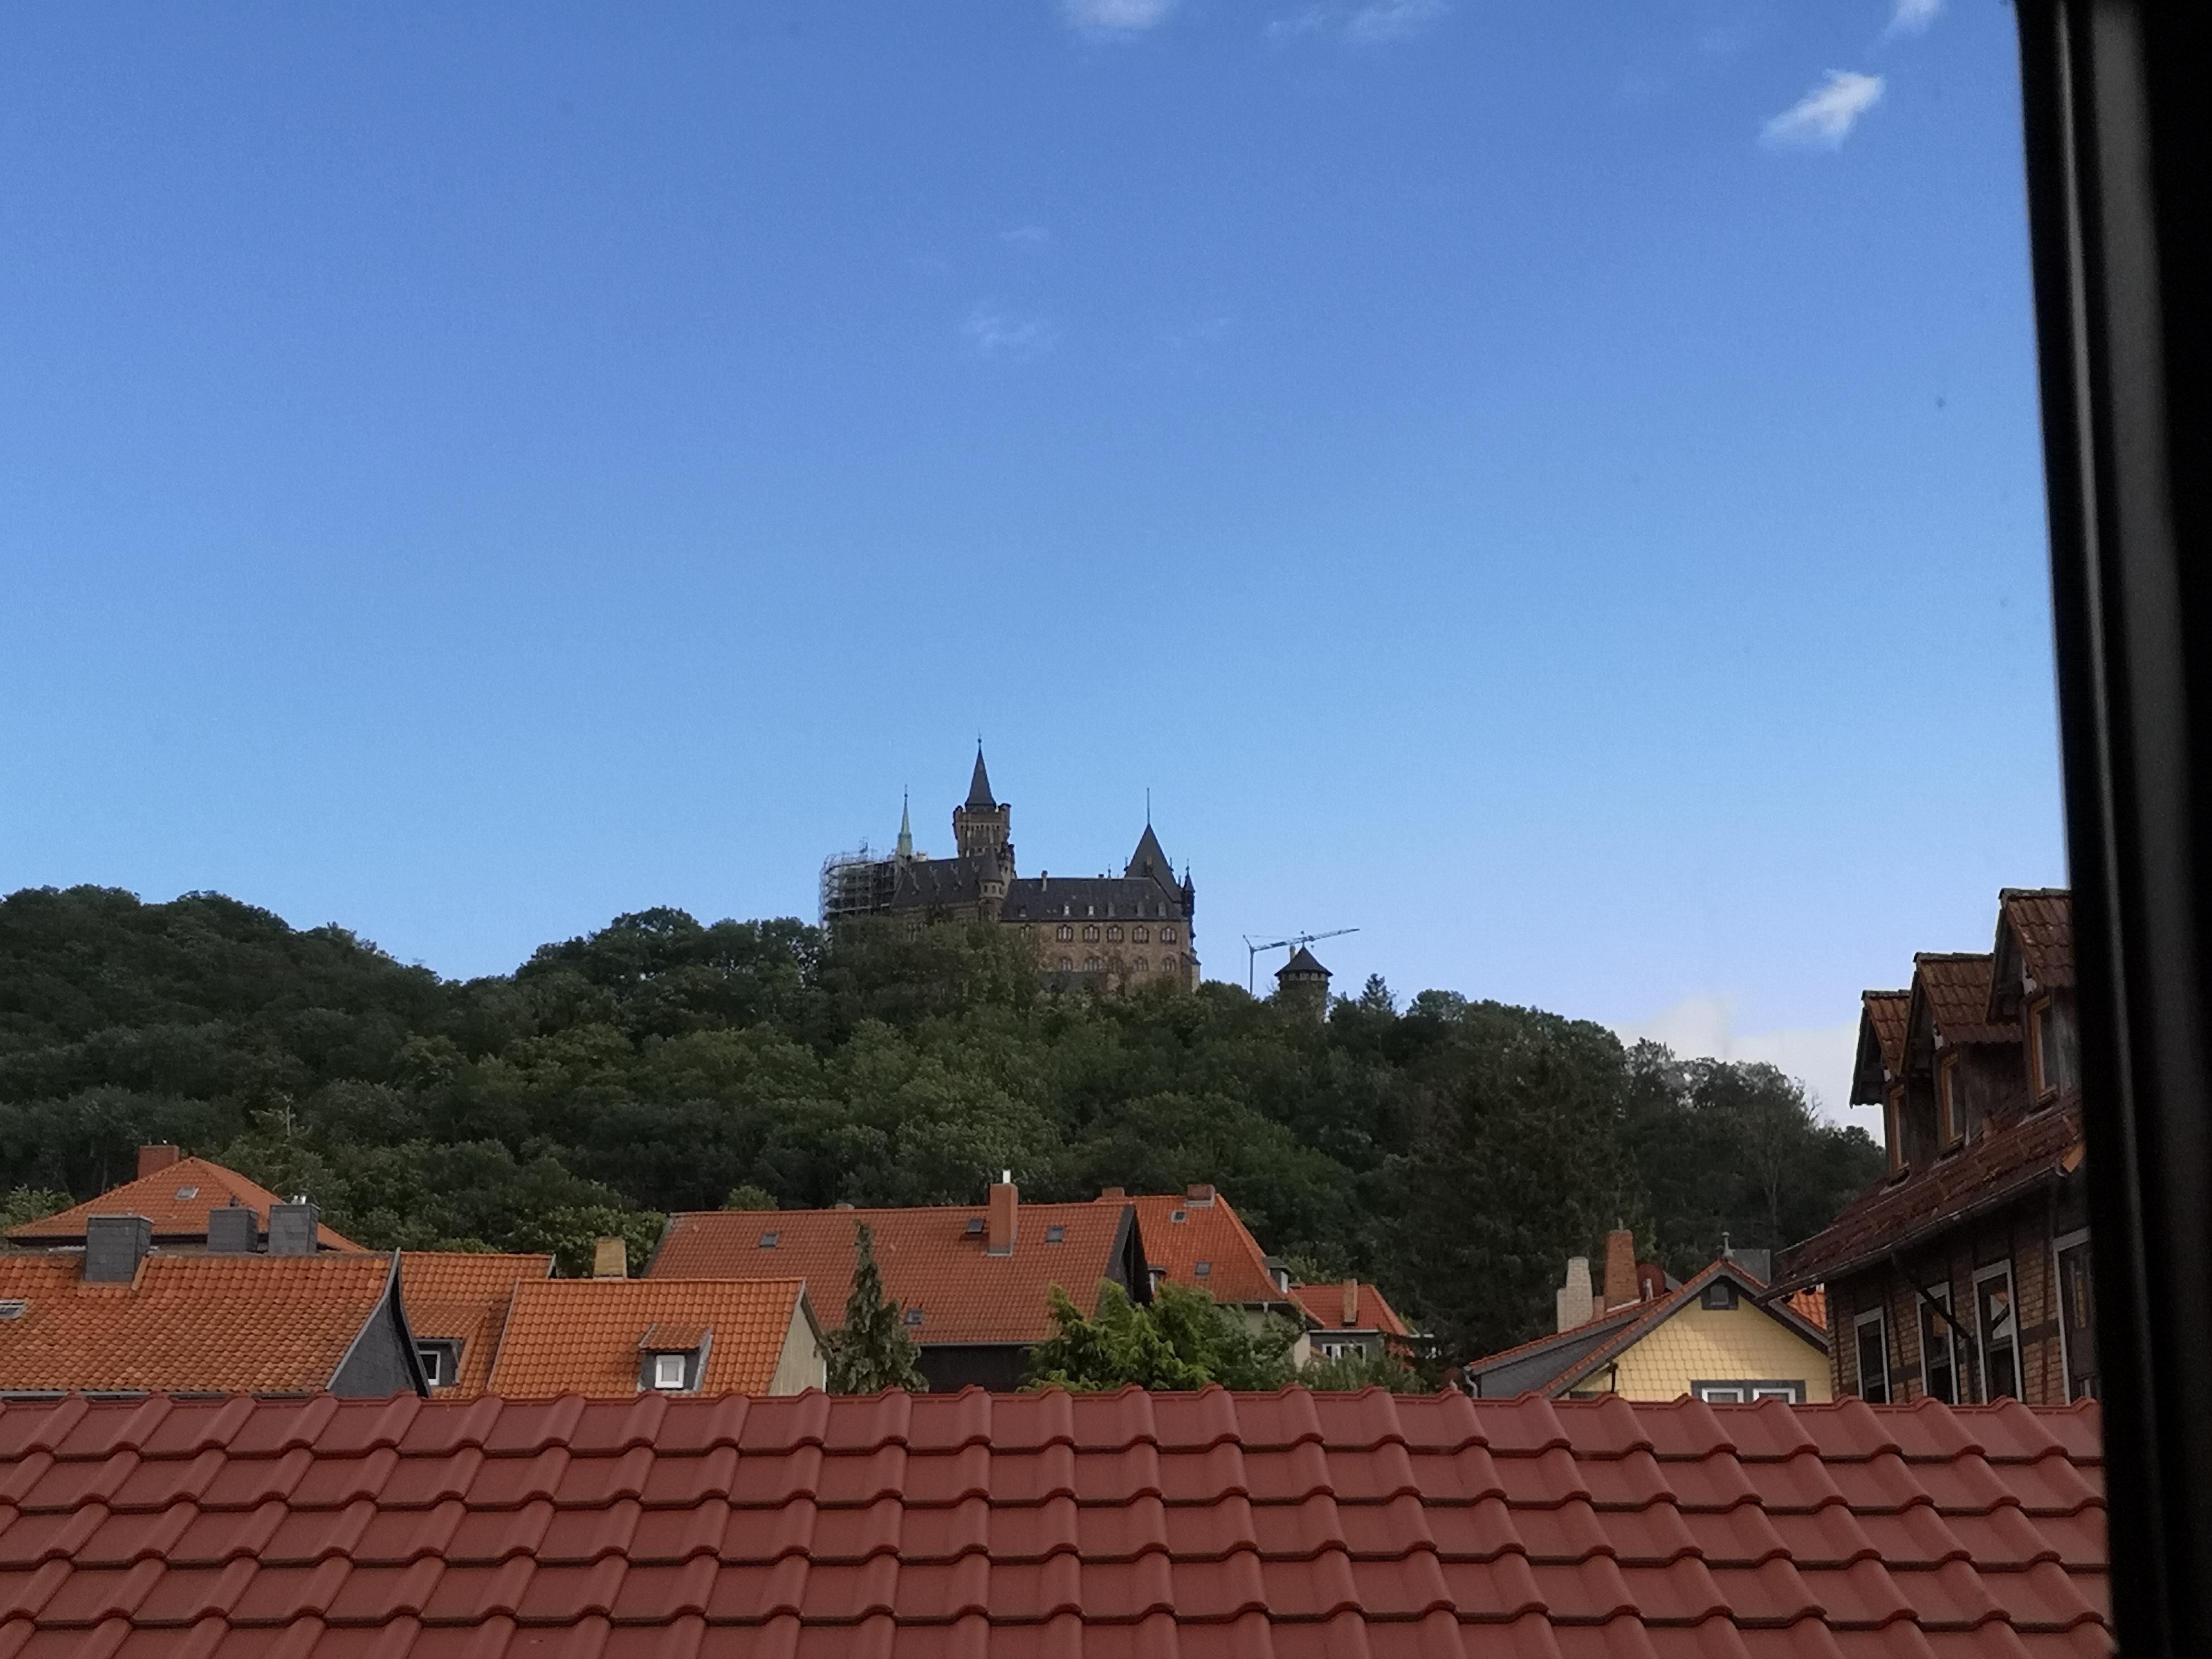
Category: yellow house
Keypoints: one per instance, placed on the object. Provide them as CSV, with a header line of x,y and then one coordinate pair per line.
x,y
1718,1338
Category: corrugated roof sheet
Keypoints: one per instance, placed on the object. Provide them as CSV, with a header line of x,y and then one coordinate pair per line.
x,y
585,1336
1180,1232
464,1298
1186,1526
272,1323
176,1199
928,1258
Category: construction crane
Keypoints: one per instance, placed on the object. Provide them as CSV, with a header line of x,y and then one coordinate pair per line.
x,y
1296,941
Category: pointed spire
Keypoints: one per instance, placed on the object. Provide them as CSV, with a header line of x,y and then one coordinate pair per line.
x,y
906,830
1150,860
979,787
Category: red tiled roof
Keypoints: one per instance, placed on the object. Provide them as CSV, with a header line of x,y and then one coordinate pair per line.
x,y
1811,1305
1990,1170
175,1199
464,1298
1887,1012
585,1336
1957,990
2042,919
1209,1231
1285,1526
928,1259
1370,1312
272,1323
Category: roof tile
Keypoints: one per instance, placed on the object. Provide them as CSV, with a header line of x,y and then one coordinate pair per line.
x,y
1205,1525
175,1198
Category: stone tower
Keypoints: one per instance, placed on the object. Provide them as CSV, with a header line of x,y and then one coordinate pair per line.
x,y
1304,980
980,824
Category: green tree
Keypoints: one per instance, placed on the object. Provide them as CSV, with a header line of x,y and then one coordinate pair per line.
x,y
872,1351
1361,1369
1184,1341
22,1204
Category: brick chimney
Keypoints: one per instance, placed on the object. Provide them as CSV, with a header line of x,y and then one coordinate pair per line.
x,y
1112,1192
1351,1302
1005,1217
1620,1268
1199,1191
151,1158
609,1259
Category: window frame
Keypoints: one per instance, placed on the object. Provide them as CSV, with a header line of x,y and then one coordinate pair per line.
x,y
1983,1341
2041,1078
1892,1127
1932,1325
2061,1247
659,1370
1878,1318
1950,1120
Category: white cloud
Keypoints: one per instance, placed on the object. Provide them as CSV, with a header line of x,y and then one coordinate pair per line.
x,y
1028,239
1111,18
1821,1058
1824,117
1375,22
1912,16
997,333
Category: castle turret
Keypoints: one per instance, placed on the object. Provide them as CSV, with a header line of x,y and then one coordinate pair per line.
x,y
1303,979
980,824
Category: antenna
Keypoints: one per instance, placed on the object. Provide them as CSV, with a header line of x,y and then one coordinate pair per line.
x,y
1294,942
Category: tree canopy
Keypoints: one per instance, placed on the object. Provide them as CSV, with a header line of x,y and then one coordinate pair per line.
x,y
1454,1152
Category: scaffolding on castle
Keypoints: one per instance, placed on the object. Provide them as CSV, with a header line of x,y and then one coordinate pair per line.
x,y
856,884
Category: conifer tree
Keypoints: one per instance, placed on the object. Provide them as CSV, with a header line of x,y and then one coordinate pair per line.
x,y
872,1351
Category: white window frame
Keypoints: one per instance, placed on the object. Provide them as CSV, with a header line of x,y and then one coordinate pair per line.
x,y
665,1382
1878,1318
1721,1394
1941,1295
1982,1276
431,1356
2059,1246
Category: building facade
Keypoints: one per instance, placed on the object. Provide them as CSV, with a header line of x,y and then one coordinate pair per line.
x,y
1963,1273
1106,931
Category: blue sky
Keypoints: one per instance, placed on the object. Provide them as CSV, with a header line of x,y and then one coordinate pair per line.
x,y
1553,488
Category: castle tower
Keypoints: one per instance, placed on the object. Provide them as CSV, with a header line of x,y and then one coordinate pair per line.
x,y
1303,979
980,824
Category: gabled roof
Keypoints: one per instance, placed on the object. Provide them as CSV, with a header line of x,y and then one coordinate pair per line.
x,y
265,1323
464,1298
1286,1525
588,1336
176,1199
1180,1233
1882,1019
1952,989
2034,940
1573,1356
928,1257
1993,1168
1370,1312
979,785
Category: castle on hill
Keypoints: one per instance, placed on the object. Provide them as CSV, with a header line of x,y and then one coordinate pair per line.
x,y
1107,931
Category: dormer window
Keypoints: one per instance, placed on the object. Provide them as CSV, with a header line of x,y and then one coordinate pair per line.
x,y
441,1360
1720,1295
668,1370
671,1356
1951,1100
2045,1063
1893,1126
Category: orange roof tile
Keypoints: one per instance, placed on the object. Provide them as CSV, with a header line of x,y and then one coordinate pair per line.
x,y
1811,1305
1210,1524
1182,1233
176,1199
2042,921
464,1298
583,1336
929,1260
262,1324
1370,1311
1887,1012
1956,986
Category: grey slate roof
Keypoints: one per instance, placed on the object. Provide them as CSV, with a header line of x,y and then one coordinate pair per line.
x,y
1090,898
1149,860
979,785
1304,963
924,884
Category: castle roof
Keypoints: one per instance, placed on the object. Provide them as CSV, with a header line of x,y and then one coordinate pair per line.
x,y
1303,964
1090,898
924,884
979,785
1150,860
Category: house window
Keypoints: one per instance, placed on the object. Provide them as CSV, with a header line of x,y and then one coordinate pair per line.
x,y
1140,935
1055,1234
975,1226
1719,1393
1939,1355
1892,1127
188,1191
768,1240
1871,1342
1204,1270
1951,1099
668,1370
1114,935
2077,1317
14,1308
441,1361
1167,936
1720,1295
1178,1216
913,1318
1997,1329
1066,932
2043,1057
1790,1392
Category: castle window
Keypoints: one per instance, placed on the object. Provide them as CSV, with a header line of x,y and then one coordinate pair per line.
x,y
1168,963
1167,936
1068,964
1143,966
1141,935
1066,932
1091,965
1114,934
1091,934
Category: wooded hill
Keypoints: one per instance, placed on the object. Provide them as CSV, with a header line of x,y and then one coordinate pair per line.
x,y
1455,1153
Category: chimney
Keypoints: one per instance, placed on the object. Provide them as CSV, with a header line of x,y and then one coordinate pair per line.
x,y
1198,1192
1005,1210
292,1228
151,1158
1351,1302
609,1259
1620,1268
234,1229
1112,1192
114,1245
1574,1296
